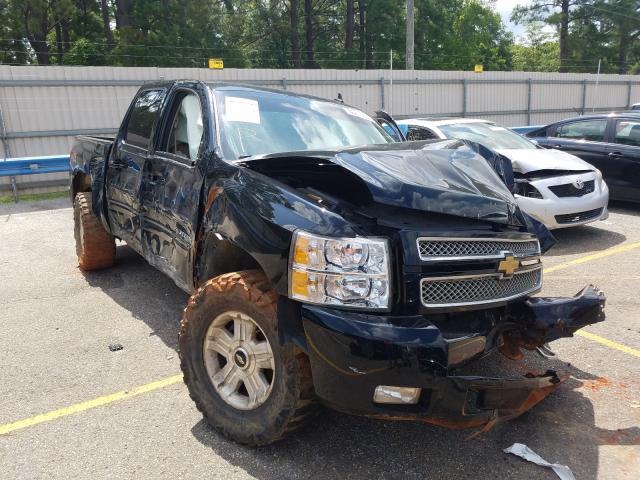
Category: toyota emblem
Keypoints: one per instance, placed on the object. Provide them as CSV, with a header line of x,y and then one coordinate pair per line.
x,y
579,184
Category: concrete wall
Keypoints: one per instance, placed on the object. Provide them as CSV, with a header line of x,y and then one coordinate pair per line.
x,y
44,107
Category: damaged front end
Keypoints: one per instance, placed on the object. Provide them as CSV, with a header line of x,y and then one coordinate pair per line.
x,y
353,354
464,263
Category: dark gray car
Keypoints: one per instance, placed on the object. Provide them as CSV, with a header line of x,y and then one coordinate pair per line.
x,y
610,142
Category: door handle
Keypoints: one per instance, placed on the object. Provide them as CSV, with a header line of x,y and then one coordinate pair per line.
x,y
156,179
616,154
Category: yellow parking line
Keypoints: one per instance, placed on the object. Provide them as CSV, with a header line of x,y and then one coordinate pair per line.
x,y
88,405
589,258
609,343
595,256
165,382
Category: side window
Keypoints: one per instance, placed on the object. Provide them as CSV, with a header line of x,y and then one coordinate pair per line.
x,y
144,115
592,130
187,127
389,129
627,132
420,133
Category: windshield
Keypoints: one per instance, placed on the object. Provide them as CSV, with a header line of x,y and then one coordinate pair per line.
x,y
259,123
487,134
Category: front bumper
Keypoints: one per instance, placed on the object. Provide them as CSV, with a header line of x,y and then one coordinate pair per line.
x,y
561,212
352,353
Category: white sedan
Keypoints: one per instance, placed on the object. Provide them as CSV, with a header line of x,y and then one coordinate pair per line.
x,y
557,188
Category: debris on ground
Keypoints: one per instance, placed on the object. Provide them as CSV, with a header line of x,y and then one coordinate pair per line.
x,y
522,451
114,347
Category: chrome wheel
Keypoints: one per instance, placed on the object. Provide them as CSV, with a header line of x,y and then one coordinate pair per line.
x,y
239,360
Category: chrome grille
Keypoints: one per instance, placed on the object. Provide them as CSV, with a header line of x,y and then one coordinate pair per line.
x,y
478,289
579,216
434,248
570,190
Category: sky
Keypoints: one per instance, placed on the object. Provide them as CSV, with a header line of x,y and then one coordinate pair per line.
x,y
505,7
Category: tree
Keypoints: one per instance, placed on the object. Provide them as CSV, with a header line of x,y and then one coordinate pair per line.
x,y
250,33
309,35
295,33
538,53
547,11
106,23
349,25
589,31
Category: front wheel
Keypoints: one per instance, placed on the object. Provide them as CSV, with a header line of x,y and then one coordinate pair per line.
x,y
247,386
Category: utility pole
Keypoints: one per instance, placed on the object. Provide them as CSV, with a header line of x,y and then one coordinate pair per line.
x,y
409,56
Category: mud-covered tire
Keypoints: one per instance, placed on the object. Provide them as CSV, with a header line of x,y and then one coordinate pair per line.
x,y
95,247
291,399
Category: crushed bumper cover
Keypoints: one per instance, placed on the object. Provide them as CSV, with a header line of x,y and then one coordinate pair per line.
x,y
352,353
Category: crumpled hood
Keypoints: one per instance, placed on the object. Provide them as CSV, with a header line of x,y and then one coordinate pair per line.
x,y
446,177
530,160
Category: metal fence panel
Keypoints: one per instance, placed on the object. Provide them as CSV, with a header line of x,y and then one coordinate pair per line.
x,y
43,107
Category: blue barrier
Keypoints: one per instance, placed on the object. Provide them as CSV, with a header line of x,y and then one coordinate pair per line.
x,y
15,167
525,130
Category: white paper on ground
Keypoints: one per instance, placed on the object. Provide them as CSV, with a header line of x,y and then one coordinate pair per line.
x,y
522,451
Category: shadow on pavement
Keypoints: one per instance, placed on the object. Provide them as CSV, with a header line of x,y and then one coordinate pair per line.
x,y
147,293
626,208
583,240
560,429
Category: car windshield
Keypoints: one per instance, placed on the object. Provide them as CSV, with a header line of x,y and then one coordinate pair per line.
x,y
487,134
261,122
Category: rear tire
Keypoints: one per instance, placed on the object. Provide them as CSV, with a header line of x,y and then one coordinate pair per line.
x,y
230,327
95,247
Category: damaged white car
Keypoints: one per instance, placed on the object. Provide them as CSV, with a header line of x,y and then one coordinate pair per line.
x,y
557,188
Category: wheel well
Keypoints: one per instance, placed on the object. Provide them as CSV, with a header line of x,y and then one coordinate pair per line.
x,y
216,257
81,183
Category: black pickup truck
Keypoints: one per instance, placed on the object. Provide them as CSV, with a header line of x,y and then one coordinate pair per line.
x,y
326,262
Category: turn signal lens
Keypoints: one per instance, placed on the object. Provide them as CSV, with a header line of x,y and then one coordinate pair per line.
x,y
401,395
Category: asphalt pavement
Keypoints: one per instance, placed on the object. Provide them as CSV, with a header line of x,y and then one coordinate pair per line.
x,y
114,420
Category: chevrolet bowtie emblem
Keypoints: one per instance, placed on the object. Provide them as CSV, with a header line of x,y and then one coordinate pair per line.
x,y
508,266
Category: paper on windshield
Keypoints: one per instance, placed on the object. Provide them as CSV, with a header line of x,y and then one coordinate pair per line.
x,y
241,110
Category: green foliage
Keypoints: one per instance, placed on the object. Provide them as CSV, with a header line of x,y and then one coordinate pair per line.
x,y
538,53
449,34
606,30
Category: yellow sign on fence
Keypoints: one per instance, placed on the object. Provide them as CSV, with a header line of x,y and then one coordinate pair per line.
x,y
478,68
216,63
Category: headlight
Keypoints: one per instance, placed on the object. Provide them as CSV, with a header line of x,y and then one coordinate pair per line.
x,y
350,272
525,189
599,176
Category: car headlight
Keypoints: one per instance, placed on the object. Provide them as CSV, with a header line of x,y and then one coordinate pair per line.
x,y
349,272
599,176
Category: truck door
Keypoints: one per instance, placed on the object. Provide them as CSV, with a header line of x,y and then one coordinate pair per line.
x,y
622,172
171,188
124,170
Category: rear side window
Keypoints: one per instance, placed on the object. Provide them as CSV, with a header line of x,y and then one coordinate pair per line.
x,y
420,133
627,132
591,130
144,115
